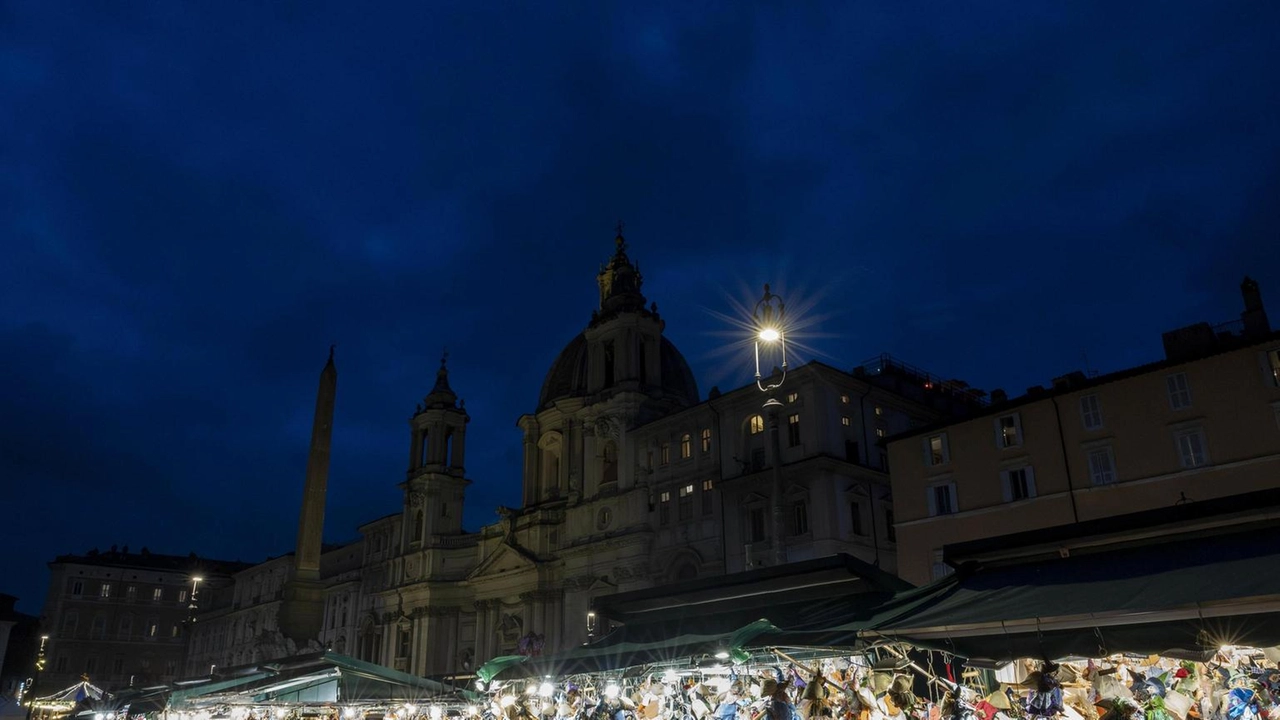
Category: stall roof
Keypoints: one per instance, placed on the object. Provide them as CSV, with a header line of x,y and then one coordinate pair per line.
x,y
1182,595
313,678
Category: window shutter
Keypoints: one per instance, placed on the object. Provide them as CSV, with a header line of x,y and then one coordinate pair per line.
x,y
1031,482
932,495
1004,483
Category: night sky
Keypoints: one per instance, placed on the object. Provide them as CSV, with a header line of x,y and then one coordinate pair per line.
x,y
196,199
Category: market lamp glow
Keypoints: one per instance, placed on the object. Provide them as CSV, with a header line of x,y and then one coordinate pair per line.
x,y
611,691
546,689
722,654
769,317
770,335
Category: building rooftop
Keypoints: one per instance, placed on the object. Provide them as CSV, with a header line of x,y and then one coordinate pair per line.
x,y
147,560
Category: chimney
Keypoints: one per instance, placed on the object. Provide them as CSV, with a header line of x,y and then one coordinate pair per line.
x,y
1254,316
998,395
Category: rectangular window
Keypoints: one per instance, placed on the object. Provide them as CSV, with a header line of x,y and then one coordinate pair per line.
x,y
77,588
648,459
942,499
666,453
756,526
1192,448
182,596
936,452
879,411
1090,413
131,592
1179,391
800,518
757,424
105,591
845,421
1009,431
153,628
404,641
706,440
1019,484
855,518
844,399
1102,466
793,430
793,397
173,632
880,432
157,594
664,508
686,446
685,509
890,530
707,486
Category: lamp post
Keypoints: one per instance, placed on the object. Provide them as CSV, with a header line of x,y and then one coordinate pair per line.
x,y
769,316
40,664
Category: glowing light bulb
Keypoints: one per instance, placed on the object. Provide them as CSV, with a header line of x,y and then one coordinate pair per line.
x,y
98,716
611,691
349,713
722,655
436,712
508,700
770,335
472,710
546,689
670,677
410,708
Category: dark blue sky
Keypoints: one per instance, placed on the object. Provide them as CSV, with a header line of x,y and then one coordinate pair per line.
x,y
197,198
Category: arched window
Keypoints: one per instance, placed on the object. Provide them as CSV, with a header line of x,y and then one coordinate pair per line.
x,y
686,446
706,439
757,424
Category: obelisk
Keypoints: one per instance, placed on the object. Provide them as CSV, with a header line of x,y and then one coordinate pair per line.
x,y
302,612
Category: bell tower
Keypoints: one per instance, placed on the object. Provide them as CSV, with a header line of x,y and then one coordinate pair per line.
x,y
435,486
624,337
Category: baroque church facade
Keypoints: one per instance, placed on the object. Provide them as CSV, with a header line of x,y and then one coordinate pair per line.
x,y
631,479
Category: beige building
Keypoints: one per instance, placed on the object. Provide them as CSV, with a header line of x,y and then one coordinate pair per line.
x,y
1202,423
630,479
120,617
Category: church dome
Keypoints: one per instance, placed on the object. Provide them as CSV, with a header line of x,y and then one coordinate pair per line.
x,y
568,375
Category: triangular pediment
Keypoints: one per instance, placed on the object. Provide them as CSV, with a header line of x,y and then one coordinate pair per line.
x,y
504,559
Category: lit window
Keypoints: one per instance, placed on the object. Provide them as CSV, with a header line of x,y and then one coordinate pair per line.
x,y
105,592
153,628
1090,413
157,594
1009,431
844,399
1179,391
666,453
793,430
182,596
757,424
707,486
845,421
174,631
1102,466
793,397
664,508
686,503
880,432
1019,484
1192,448
131,592
942,499
936,450
686,446
706,439
879,411
686,490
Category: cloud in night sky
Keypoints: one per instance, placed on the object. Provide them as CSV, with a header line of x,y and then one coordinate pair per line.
x,y
198,199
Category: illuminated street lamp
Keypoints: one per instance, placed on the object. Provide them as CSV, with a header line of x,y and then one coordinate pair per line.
x,y
769,316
